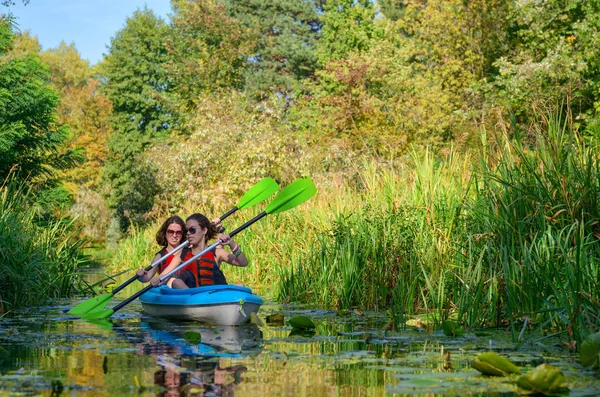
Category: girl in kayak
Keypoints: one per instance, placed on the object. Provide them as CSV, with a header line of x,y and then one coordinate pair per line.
x,y
170,235
205,270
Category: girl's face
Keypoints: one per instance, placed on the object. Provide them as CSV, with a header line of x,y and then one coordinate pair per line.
x,y
174,233
195,233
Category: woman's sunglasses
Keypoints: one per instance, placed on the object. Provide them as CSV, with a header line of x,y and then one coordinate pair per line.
x,y
192,230
174,232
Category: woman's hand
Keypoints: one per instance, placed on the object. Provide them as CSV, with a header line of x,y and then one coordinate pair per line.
x,y
218,225
155,281
141,273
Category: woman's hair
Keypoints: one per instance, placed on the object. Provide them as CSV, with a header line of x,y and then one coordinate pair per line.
x,y
204,222
161,235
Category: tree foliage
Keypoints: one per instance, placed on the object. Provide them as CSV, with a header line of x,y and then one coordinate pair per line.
x,y
137,84
209,50
31,139
286,37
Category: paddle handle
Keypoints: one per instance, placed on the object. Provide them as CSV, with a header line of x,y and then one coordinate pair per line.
x,y
149,267
231,211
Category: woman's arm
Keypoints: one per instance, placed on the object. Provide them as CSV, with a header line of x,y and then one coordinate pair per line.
x,y
176,261
145,275
236,257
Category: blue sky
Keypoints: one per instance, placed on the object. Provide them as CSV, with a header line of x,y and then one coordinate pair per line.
x,y
90,24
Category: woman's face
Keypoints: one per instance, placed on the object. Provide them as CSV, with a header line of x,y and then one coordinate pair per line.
x,y
195,233
174,233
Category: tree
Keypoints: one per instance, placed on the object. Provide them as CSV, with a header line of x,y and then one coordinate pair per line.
x,y
135,80
209,50
348,25
31,139
284,53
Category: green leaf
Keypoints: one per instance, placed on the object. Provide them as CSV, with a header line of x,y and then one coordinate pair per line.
x,y
544,379
301,322
589,351
452,329
192,337
494,365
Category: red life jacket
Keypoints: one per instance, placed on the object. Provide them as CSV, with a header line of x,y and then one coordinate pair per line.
x,y
163,265
205,269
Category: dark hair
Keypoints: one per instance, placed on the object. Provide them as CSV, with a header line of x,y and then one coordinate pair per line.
x,y
204,222
161,238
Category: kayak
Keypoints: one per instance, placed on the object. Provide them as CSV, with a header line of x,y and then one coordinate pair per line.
x,y
216,304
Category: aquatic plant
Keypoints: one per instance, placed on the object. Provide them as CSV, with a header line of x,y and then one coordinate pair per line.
x,y
39,260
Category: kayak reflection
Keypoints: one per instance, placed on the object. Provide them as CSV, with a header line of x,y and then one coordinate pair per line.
x,y
196,360
203,340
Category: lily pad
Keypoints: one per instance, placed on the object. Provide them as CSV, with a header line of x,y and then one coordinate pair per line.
x,y
494,365
452,329
301,322
589,351
192,337
544,379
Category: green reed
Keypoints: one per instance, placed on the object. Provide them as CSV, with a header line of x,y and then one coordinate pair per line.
x,y
507,236
38,261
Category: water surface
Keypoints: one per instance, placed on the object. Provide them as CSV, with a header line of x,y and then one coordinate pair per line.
x,y
46,352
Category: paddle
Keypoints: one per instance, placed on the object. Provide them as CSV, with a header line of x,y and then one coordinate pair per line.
x,y
262,190
290,197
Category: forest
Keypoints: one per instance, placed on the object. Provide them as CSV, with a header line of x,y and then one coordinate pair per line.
x,y
454,145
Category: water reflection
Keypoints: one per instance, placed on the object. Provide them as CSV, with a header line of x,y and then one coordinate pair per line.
x,y
190,356
44,352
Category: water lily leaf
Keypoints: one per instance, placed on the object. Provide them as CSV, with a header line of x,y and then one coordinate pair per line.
x,y
275,319
301,322
589,351
307,333
544,379
452,329
193,337
494,365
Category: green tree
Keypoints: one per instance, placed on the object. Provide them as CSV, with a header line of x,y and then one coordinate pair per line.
x,y
136,82
284,52
31,139
553,60
209,50
348,25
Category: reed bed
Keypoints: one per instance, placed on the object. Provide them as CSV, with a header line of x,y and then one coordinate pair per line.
x,y
506,236
39,260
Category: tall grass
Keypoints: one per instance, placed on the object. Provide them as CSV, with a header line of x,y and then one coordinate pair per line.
x,y
505,236
38,261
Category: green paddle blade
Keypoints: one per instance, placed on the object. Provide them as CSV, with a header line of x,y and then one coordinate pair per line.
x,y
90,304
293,195
98,314
259,192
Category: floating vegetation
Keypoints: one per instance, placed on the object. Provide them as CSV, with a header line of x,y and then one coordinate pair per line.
x,y
494,365
589,352
544,379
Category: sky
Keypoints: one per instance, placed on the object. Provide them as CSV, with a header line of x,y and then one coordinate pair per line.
x,y
90,24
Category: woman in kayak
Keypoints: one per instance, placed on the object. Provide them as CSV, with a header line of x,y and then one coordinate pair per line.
x,y
170,235
205,270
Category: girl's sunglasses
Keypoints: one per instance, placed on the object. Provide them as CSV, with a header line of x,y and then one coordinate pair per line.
x,y
192,230
174,232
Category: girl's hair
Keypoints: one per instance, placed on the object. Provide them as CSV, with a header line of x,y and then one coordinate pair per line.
x,y
204,222
161,235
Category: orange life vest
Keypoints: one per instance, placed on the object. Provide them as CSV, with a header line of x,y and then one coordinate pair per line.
x,y
205,269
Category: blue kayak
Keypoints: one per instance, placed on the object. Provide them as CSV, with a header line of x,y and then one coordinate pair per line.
x,y
218,304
